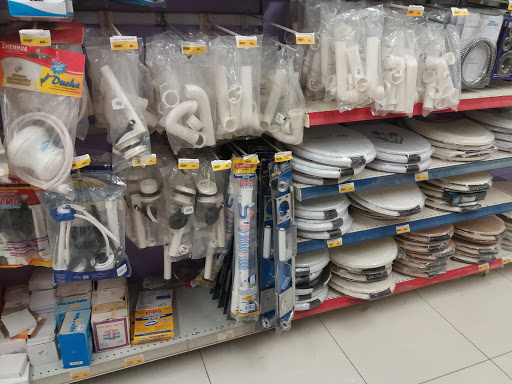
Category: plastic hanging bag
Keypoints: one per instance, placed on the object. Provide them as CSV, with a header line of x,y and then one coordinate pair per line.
x,y
40,98
4,167
88,231
115,79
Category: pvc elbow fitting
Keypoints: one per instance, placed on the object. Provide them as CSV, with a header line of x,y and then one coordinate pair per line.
x,y
269,113
295,125
429,77
434,91
174,127
393,77
350,97
205,113
441,103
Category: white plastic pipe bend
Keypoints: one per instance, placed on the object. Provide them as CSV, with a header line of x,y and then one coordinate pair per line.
x,y
340,50
174,127
269,113
393,77
221,91
375,90
247,99
205,113
295,125
356,68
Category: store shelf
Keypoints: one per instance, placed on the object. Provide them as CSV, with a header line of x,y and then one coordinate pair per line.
x,y
365,228
497,94
198,322
370,179
404,283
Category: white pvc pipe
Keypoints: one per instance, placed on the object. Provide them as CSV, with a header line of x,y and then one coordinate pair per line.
x,y
129,111
281,240
411,70
295,125
39,227
269,113
167,264
267,236
246,83
174,246
340,48
140,231
356,68
400,97
112,217
208,261
205,112
375,90
221,92
324,57
174,127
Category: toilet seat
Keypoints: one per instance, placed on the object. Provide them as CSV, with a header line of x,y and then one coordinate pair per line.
x,y
369,254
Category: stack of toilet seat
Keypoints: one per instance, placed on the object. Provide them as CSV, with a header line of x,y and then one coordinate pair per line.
x,y
425,253
330,154
390,202
363,270
324,218
399,150
499,122
506,242
454,139
457,193
312,273
478,240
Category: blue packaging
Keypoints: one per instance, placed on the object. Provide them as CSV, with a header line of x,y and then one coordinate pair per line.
x,y
75,339
71,303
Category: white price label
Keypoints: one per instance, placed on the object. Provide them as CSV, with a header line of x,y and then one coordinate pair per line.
x,y
188,163
123,43
117,104
246,41
36,37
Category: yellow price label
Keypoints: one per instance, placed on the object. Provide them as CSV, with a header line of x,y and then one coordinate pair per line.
x,y
143,161
220,165
80,162
507,260
304,38
82,374
35,41
483,267
344,188
403,229
251,159
421,176
246,41
188,163
415,10
460,11
192,49
131,361
335,243
123,43
281,157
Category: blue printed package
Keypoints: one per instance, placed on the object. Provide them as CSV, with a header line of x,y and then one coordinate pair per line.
x,y
51,10
75,339
71,303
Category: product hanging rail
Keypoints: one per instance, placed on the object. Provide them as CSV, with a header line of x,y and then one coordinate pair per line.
x,y
371,179
406,283
496,95
365,228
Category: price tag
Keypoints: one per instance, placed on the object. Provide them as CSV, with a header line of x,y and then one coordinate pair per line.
x,y
251,159
304,38
402,229
415,10
246,41
188,163
483,267
334,243
131,361
510,5
36,37
79,374
281,157
507,260
460,11
192,48
123,43
140,161
220,165
422,176
347,187
80,162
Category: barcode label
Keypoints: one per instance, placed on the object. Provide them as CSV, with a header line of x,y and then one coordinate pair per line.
x,y
117,104
248,308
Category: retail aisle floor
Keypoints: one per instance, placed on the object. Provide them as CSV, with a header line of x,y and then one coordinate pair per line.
x,y
453,332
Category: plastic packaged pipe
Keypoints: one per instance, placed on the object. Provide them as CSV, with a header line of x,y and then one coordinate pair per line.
x,y
167,264
356,69
375,91
281,238
208,261
221,91
340,48
324,57
140,231
175,128
112,217
400,97
246,83
138,127
411,71
278,82
205,113
267,237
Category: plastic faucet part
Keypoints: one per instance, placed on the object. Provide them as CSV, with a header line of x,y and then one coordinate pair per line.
x,y
138,127
221,93
324,57
167,264
429,77
441,103
174,127
449,58
340,49
276,91
194,123
246,84
356,68
267,240
295,125
208,260
375,91
411,71
434,91
205,112
112,217
170,99
393,77
314,83
140,231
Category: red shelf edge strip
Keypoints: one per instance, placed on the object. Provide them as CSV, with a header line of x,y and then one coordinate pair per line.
x,y
363,114
345,301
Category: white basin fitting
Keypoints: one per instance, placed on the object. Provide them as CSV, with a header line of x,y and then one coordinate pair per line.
x,y
375,91
356,68
247,99
295,125
168,86
221,91
205,113
276,91
411,71
174,127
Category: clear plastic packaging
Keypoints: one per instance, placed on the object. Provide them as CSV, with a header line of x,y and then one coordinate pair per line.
x,y
88,232
115,87
4,167
237,86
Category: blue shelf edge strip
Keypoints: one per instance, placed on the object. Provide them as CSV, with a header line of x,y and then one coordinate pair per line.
x,y
405,178
414,225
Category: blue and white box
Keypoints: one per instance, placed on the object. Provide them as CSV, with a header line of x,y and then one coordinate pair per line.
x,y
71,303
75,339
41,9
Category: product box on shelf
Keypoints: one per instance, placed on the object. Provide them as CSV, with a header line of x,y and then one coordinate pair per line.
x,y
42,347
110,325
41,9
71,303
75,339
153,317
112,291
503,66
73,288
13,367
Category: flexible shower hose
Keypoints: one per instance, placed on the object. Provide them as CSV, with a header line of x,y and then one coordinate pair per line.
x,y
491,54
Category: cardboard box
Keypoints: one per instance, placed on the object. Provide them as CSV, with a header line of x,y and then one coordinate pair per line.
x,y
110,326
75,339
110,283
109,295
42,346
153,317
71,303
73,288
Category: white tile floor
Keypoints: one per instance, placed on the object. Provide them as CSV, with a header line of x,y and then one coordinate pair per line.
x,y
457,332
